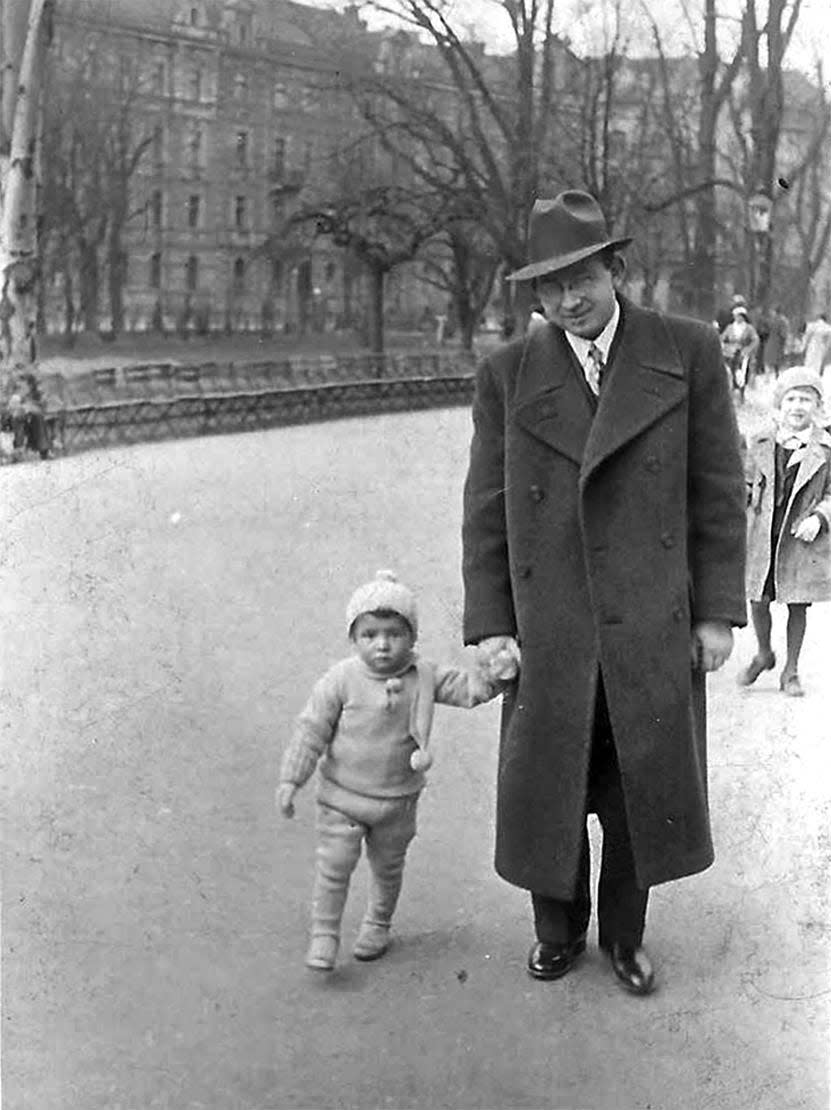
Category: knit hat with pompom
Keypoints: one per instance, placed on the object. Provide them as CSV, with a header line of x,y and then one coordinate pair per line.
x,y
383,592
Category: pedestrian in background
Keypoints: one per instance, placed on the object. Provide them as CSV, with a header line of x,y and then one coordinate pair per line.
x,y
604,533
740,344
816,343
788,518
776,343
368,721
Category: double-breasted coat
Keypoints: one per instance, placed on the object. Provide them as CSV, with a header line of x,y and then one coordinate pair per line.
x,y
597,539
801,571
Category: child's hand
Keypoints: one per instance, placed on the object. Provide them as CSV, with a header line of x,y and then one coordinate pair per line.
x,y
499,656
284,796
808,529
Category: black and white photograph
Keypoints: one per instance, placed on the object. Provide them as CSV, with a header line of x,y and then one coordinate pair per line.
x,y
415,554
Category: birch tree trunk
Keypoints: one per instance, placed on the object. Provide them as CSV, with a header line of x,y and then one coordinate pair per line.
x,y
25,30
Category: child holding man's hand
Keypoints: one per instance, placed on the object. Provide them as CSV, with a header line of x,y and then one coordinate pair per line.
x,y
368,722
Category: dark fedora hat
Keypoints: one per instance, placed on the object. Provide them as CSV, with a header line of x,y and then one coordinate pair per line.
x,y
563,231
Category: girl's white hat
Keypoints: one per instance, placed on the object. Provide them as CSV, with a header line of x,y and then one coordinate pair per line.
x,y
797,377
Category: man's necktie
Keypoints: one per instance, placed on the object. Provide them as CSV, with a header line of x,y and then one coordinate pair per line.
x,y
594,368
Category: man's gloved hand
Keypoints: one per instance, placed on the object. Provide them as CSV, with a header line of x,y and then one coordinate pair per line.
x,y
500,657
711,645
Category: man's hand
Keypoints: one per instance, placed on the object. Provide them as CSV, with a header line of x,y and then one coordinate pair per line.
x,y
808,529
284,797
711,646
500,657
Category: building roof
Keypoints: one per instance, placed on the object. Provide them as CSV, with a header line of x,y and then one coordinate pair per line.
x,y
281,20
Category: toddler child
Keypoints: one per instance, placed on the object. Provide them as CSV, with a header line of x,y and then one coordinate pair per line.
x,y
368,722
789,512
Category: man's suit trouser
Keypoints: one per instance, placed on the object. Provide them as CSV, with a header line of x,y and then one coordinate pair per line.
x,y
621,908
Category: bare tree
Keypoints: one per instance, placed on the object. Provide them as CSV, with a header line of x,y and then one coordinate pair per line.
x,y
803,209
25,32
95,137
358,205
695,165
473,128
762,105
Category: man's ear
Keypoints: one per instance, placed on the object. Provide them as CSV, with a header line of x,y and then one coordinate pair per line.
x,y
618,269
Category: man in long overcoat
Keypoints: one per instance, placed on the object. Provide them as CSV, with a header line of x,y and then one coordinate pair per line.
x,y
603,539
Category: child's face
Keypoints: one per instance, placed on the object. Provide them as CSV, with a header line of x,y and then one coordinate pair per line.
x,y
383,643
799,408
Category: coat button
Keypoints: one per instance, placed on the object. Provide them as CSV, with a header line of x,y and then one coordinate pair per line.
x,y
678,614
652,464
537,493
667,539
524,572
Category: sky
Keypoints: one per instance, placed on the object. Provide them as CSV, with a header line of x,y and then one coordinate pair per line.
x,y
584,21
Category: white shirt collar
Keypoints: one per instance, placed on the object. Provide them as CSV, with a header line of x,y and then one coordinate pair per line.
x,y
580,346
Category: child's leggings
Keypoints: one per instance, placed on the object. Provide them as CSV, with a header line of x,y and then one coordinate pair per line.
x,y
386,825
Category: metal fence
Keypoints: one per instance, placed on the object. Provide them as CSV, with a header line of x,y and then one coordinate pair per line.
x,y
153,401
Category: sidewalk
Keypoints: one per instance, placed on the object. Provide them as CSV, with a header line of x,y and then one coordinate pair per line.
x,y
165,608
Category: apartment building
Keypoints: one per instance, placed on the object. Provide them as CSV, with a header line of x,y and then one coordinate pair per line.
x,y
234,102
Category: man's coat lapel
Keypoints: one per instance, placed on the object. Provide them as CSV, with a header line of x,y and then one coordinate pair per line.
x,y
646,381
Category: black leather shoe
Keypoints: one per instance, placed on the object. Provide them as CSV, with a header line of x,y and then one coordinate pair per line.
x,y
552,961
633,969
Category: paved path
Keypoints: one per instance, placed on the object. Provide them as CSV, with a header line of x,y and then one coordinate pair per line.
x,y
165,609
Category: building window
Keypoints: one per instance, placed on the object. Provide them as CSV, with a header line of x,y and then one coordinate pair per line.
x,y
158,144
279,159
159,78
192,273
195,147
278,210
240,85
194,17
196,84
276,274
240,212
242,148
194,202
155,271
156,206
239,275
280,98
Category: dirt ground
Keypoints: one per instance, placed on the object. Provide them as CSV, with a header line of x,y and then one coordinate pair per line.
x,y
165,610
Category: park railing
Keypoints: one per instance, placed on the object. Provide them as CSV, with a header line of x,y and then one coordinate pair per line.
x,y
164,400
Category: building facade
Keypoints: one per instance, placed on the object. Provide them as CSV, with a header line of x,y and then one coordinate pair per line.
x,y
235,106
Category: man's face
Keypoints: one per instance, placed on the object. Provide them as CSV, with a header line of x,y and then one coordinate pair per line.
x,y
580,298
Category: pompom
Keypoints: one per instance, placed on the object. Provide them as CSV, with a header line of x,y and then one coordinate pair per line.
x,y
420,760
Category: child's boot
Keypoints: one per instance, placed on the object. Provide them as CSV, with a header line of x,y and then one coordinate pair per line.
x,y
372,941
338,849
323,951
387,870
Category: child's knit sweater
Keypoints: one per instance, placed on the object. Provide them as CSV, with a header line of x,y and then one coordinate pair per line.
x,y
366,726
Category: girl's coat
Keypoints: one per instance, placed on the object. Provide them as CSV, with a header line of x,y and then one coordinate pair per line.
x,y
802,571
